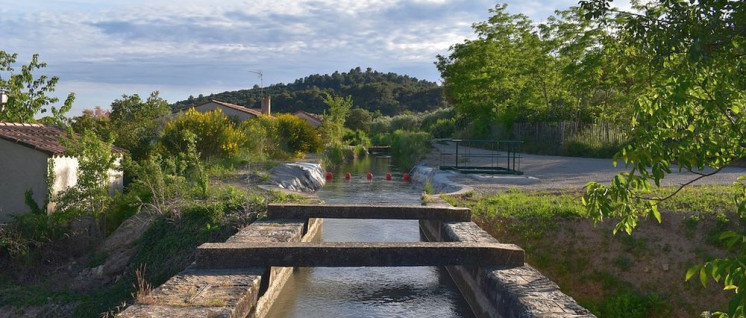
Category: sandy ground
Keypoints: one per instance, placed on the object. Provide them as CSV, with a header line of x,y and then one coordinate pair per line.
x,y
554,172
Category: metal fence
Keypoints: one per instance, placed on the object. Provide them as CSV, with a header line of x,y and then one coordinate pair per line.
x,y
480,156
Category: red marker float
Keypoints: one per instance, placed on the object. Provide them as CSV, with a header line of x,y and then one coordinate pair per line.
x,y
348,176
369,176
405,177
388,176
329,176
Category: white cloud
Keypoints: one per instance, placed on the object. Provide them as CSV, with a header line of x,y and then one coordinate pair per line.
x,y
196,46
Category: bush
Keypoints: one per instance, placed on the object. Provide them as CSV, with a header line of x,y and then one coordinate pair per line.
x,y
297,135
262,138
356,138
380,125
215,134
409,147
282,137
430,118
408,122
443,128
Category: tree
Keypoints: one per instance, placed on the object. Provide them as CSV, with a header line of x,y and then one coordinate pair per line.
x,y
359,119
136,122
95,158
688,113
334,119
27,95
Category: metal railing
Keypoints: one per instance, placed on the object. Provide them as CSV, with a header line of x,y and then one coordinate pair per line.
x,y
480,156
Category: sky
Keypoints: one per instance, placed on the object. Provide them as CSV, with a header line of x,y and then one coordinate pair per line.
x,y
103,49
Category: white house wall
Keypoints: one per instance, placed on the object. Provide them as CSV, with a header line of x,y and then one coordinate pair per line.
x,y
116,178
21,169
65,176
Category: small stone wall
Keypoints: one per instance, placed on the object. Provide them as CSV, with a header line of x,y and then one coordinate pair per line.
x,y
241,292
496,292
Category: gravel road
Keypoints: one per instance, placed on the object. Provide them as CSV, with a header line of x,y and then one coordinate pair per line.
x,y
556,172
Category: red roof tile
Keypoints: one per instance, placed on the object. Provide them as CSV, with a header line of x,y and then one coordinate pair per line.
x,y
253,111
45,138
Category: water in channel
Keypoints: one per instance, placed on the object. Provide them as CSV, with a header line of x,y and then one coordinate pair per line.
x,y
370,291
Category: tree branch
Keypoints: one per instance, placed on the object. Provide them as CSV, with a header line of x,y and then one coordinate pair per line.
x,y
701,175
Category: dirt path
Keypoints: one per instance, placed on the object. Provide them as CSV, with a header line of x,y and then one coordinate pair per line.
x,y
556,172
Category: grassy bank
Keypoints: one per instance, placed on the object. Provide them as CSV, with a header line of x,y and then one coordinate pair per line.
x,y
641,275
164,249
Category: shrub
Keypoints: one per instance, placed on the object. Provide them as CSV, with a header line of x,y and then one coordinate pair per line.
x,y
215,134
380,125
408,122
262,138
297,135
356,138
443,128
409,147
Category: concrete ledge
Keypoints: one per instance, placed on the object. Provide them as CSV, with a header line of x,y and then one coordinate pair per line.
x,y
500,292
229,292
339,211
348,254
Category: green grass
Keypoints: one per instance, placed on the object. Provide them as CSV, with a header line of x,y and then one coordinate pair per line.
x,y
530,219
519,204
523,205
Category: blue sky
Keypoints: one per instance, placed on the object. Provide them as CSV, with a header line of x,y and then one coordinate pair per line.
x,y
103,49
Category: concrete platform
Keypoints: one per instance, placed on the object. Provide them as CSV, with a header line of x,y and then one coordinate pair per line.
x,y
340,211
347,254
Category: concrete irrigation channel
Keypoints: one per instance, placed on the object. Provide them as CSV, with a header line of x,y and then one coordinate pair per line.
x,y
243,276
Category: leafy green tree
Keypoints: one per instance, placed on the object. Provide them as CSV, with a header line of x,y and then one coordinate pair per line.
x,y
688,113
96,120
334,119
95,159
27,94
136,122
359,119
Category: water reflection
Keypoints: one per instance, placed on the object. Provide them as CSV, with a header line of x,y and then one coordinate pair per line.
x,y
370,291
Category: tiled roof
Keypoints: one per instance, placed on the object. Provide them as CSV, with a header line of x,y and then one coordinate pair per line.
x,y
253,111
313,116
45,138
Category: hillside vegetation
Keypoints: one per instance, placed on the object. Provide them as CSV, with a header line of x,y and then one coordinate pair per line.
x,y
387,93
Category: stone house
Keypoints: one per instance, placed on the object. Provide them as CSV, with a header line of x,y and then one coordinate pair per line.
x,y
238,112
314,119
27,154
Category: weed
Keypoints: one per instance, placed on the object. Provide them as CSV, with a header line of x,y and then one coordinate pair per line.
x,y
142,294
428,186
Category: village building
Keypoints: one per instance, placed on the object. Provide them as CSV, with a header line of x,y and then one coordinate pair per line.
x,y
314,119
28,152
237,112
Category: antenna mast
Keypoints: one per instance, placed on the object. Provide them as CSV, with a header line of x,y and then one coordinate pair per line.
x,y
261,80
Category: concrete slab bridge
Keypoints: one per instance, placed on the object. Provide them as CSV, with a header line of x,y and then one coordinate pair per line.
x,y
242,276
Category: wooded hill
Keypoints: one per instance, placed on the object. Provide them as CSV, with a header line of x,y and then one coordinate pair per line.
x,y
389,93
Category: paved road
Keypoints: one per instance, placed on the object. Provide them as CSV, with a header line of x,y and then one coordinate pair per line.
x,y
556,172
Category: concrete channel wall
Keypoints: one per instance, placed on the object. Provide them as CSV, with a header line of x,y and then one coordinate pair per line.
x,y
495,292
244,292
505,292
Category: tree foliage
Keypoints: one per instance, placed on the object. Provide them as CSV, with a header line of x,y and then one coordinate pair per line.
x,y
28,94
212,133
688,112
515,70
136,122
95,160
334,118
